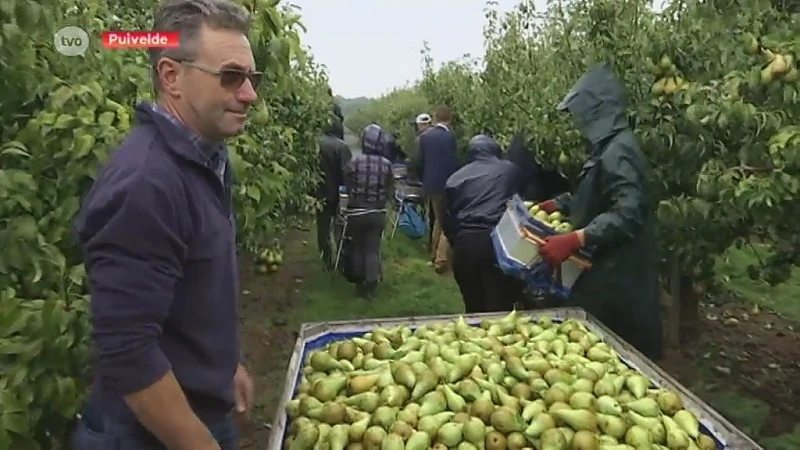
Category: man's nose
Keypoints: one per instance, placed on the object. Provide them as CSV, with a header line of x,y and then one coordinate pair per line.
x,y
246,93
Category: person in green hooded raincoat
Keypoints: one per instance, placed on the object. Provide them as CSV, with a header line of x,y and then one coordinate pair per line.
x,y
611,211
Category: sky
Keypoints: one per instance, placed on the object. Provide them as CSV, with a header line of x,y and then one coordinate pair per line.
x,y
372,46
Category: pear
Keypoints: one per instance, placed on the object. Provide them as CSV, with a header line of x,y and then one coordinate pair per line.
x,y
676,436
430,424
409,415
392,442
506,420
605,387
646,407
609,405
306,437
366,401
450,434
348,350
323,362
516,368
539,365
516,441
475,431
584,440
553,376
670,86
455,402
778,65
433,403
462,366
658,87
357,429
540,424
688,422
403,374
706,443
468,389
395,395
373,437
482,408
419,440
638,437
553,439
638,385
384,416
522,391
327,388
495,441
401,429
293,408
665,62
339,436
440,367
612,425
533,409
669,402
583,400
577,419
330,413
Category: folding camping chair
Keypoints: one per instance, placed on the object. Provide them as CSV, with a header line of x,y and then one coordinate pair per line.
x,y
339,228
407,194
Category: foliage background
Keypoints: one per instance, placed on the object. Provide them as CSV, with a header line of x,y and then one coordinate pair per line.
x,y
724,147
59,118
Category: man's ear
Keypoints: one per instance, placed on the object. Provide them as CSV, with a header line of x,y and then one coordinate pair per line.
x,y
170,74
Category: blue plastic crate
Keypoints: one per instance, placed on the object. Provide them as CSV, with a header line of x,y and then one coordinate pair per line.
x,y
322,341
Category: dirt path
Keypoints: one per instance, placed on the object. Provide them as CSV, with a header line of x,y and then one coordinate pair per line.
x,y
267,341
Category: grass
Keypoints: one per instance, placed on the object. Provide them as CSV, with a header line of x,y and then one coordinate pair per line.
x,y
410,288
732,270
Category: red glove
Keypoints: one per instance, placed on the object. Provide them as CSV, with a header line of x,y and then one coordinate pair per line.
x,y
556,249
548,206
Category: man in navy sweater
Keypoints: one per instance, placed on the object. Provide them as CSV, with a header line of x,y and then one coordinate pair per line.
x,y
158,235
438,160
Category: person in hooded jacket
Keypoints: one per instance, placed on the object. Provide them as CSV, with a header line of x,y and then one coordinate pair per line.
x,y
475,200
611,211
334,155
368,178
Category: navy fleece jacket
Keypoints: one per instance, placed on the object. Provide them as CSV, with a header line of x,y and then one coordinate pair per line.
x,y
158,238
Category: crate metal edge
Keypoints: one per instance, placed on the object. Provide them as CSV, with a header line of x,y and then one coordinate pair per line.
x,y
734,438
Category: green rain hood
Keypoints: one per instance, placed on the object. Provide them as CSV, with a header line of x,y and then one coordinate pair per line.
x,y
613,207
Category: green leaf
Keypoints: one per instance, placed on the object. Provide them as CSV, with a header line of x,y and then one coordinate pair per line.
x,y
14,422
106,118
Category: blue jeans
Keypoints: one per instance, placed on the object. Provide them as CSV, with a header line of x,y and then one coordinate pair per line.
x,y
115,435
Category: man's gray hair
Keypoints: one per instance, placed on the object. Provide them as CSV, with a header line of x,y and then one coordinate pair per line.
x,y
187,17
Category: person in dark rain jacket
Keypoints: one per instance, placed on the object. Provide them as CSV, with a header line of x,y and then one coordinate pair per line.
x,y
334,155
475,199
611,210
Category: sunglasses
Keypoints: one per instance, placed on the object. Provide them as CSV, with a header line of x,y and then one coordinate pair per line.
x,y
229,78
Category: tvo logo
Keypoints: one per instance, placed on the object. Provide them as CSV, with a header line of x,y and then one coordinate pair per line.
x,y
71,41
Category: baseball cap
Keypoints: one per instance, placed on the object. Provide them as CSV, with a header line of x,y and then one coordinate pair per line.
x,y
423,118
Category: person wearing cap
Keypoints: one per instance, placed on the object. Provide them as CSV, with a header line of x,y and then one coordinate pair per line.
x,y
611,211
438,154
422,123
